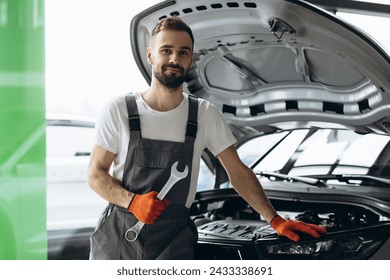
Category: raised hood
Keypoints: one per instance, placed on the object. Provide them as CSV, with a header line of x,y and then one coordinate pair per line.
x,y
269,65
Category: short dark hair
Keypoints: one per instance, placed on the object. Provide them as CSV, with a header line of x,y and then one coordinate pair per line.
x,y
172,23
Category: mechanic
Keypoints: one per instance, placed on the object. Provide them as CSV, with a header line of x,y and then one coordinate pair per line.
x,y
141,135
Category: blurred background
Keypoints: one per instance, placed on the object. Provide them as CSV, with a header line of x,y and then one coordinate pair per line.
x,y
88,53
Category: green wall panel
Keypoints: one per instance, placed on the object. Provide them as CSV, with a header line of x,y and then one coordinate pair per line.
x,y
22,131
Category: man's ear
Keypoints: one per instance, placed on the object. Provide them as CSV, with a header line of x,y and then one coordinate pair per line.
x,y
149,55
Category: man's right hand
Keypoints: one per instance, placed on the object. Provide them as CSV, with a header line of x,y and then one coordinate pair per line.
x,y
146,207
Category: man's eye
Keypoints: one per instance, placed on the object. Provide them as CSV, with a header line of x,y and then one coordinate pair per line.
x,y
184,53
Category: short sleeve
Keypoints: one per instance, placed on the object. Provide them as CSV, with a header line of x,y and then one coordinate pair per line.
x,y
107,132
218,134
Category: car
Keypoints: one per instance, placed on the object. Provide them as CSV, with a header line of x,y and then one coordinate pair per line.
x,y
306,94
72,207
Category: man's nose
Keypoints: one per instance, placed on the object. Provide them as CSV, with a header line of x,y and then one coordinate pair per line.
x,y
174,58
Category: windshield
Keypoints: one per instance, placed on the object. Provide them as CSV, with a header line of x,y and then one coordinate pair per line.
x,y
308,152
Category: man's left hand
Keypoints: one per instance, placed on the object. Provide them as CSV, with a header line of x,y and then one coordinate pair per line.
x,y
289,228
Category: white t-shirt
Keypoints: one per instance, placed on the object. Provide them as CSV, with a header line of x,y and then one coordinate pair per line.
x,y
112,131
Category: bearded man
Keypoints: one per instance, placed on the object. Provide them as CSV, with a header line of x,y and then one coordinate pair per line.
x,y
141,135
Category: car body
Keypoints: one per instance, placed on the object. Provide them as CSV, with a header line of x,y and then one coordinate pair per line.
x,y
73,208
306,94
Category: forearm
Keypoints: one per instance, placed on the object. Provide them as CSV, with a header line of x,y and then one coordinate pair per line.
x,y
246,183
250,189
248,186
109,188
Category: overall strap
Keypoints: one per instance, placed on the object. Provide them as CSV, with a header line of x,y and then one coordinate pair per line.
x,y
133,116
192,122
135,124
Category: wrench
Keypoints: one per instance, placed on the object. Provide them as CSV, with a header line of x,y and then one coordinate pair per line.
x,y
173,179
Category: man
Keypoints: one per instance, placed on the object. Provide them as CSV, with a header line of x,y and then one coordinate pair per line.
x,y
142,135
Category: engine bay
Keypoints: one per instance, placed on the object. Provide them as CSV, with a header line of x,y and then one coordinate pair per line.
x,y
235,212
227,223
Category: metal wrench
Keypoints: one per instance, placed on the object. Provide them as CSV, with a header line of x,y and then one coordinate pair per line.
x,y
173,179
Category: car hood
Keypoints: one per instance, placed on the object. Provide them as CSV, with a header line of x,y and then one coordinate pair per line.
x,y
272,65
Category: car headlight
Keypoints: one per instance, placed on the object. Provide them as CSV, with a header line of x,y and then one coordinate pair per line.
x,y
351,247
300,249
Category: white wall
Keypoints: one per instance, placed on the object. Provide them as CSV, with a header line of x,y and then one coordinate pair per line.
x,y
88,53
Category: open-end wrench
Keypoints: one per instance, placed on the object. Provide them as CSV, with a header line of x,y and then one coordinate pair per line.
x,y
173,179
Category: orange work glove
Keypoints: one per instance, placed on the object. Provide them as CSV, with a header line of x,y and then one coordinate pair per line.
x,y
146,207
288,228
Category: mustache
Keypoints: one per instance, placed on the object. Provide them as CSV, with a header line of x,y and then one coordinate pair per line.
x,y
175,66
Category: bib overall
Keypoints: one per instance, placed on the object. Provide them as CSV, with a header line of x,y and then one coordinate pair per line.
x,y
147,168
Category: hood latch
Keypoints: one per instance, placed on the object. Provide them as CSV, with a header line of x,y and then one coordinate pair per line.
x,y
278,27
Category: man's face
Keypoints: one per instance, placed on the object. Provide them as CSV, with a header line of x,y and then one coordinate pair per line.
x,y
170,54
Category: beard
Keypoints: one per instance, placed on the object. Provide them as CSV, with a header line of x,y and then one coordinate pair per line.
x,y
173,80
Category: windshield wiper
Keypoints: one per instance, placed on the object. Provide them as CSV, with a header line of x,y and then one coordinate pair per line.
x,y
347,178
307,180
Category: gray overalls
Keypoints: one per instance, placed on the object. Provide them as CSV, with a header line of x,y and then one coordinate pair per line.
x,y
147,168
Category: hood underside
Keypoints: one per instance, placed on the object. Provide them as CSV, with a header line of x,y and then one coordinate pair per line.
x,y
270,65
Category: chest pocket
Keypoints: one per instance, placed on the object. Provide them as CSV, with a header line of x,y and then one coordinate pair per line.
x,y
156,159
